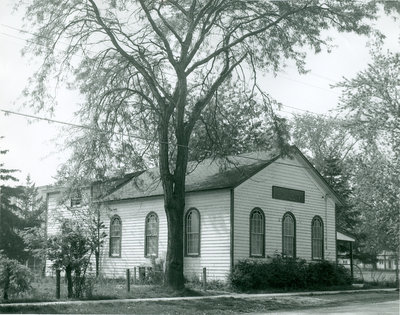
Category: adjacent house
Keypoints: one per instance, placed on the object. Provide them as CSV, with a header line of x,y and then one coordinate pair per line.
x,y
252,205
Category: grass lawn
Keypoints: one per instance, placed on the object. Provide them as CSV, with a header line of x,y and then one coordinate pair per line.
x,y
105,289
43,289
209,306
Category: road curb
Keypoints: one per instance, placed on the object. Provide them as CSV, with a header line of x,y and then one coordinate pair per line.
x,y
189,298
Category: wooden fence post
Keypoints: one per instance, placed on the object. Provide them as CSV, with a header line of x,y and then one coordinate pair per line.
x,y
134,275
351,261
128,280
142,275
58,286
204,278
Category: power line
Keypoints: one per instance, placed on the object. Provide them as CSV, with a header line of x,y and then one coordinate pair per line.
x,y
308,84
315,74
89,128
300,109
50,120
13,36
72,124
123,134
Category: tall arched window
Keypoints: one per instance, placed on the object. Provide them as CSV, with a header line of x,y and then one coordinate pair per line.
x,y
151,235
317,238
257,233
192,233
289,235
115,236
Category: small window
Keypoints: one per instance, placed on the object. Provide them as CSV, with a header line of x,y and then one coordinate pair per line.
x,y
192,233
76,199
288,194
317,236
151,238
257,233
115,236
289,235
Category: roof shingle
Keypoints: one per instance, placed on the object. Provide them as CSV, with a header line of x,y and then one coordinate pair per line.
x,y
206,175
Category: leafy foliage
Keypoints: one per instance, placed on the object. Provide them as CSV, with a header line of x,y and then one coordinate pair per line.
x,y
14,277
378,195
371,102
70,250
359,154
88,213
330,147
284,273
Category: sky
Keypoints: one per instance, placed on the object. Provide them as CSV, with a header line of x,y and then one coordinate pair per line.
x,y
35,147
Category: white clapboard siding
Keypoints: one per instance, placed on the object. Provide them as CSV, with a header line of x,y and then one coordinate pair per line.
x,y
257,192
214,208
215,228
133,215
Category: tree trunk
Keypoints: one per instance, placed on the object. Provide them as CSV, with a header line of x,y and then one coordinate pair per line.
x,y
97,256
6,284
174,204
97,250
68,273
174,262
174,200
78,283
174,185
396,257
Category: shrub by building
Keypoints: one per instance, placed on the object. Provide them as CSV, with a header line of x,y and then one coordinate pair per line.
x,y
287,273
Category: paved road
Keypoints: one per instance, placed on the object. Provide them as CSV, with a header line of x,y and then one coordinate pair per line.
x,y
382,308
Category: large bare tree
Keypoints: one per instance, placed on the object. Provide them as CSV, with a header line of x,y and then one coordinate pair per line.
x,y
153,72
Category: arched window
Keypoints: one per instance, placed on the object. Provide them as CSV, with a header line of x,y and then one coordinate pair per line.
x,y
151,235
192,233
289,235
257,233
115,236
317,238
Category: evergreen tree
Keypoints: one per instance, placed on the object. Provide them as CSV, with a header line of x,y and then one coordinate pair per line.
x,y
11,243
32,210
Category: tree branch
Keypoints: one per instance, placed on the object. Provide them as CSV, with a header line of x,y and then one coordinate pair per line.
x,y
242,38
159,33
199,106
130,58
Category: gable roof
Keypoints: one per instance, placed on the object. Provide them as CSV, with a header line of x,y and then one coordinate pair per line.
x,y
211,174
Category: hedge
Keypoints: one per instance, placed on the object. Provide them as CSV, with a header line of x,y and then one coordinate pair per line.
x,y
287,273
